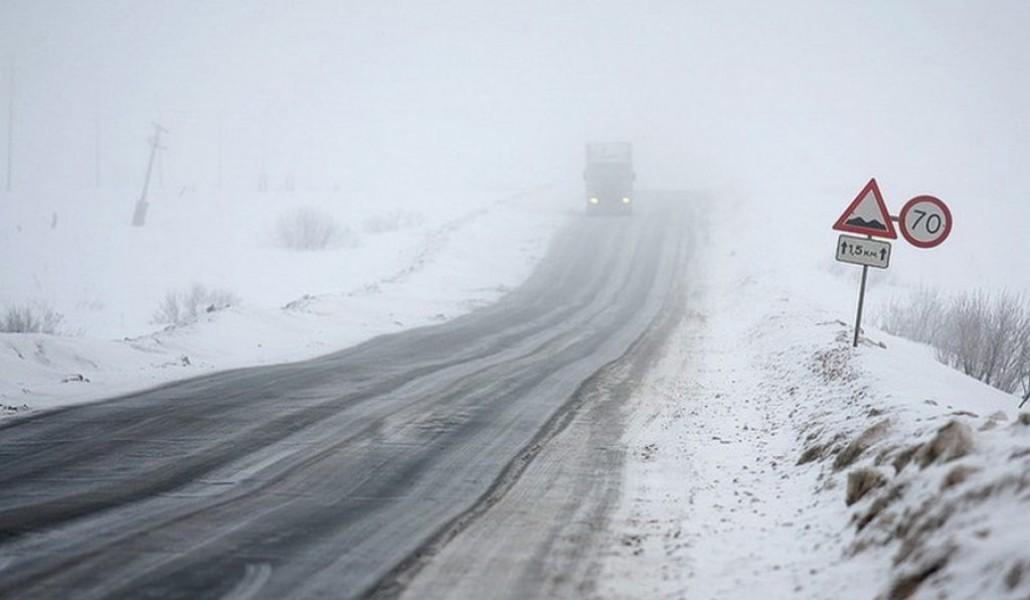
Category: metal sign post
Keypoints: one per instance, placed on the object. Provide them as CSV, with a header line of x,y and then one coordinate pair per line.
x,y
861,304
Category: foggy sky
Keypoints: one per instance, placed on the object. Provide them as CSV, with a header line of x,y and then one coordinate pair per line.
x,y
352,93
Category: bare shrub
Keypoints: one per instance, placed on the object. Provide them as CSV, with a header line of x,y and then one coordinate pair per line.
x,y
181,307
393,221
30,318
916,318
310,228
985,336
1024,371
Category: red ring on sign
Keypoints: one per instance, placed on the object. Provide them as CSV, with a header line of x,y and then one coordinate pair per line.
x,y
904,213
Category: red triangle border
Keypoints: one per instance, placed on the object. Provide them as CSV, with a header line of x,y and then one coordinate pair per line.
x,y
842,225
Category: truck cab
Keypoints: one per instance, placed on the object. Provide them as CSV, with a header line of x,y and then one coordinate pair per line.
x,y
609,178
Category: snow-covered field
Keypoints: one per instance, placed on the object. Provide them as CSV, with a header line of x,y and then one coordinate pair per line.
x,y
395,265
770,459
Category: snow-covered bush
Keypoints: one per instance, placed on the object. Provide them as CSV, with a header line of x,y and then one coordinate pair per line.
x,y
393,221
180,307
916,318
310,228
30,318
986,336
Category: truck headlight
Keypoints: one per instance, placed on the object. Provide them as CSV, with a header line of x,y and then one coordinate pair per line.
x,y
626,200
594,200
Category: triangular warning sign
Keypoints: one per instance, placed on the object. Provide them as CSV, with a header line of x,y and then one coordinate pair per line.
x,y
867,214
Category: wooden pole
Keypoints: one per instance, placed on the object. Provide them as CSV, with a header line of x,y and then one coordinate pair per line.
x,y
139,215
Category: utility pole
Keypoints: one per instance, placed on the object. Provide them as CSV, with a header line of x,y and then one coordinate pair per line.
x,y
10,129
139,215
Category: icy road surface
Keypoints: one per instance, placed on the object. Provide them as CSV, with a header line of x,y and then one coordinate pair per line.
x,y
325,478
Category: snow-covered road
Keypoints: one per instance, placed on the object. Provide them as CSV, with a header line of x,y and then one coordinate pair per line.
x,y
322,477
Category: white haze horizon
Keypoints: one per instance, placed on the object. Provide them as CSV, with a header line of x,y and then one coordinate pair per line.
x,y
798,101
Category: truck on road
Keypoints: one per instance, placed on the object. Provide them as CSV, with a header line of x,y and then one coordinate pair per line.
x,y
609,178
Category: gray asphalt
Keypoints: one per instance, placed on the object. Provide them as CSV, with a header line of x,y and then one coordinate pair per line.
x,y
321,478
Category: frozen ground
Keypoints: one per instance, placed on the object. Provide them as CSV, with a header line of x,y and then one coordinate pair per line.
x,y
767,458
395,266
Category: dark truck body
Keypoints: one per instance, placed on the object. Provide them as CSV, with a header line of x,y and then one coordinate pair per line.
x,y
609,178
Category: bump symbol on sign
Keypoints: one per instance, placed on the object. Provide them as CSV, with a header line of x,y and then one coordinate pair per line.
x,y
867,214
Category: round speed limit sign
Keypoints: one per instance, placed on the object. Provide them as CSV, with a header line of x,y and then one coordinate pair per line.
x,y
925,221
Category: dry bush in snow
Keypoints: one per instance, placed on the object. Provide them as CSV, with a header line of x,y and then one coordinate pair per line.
x,y
30,318
986,336
393,221
310,228
1024,375
180,307
917,318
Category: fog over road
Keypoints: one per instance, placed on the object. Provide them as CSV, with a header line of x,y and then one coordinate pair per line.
x,y
325,478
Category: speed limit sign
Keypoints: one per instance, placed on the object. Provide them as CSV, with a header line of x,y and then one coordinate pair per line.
x,y
925,221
